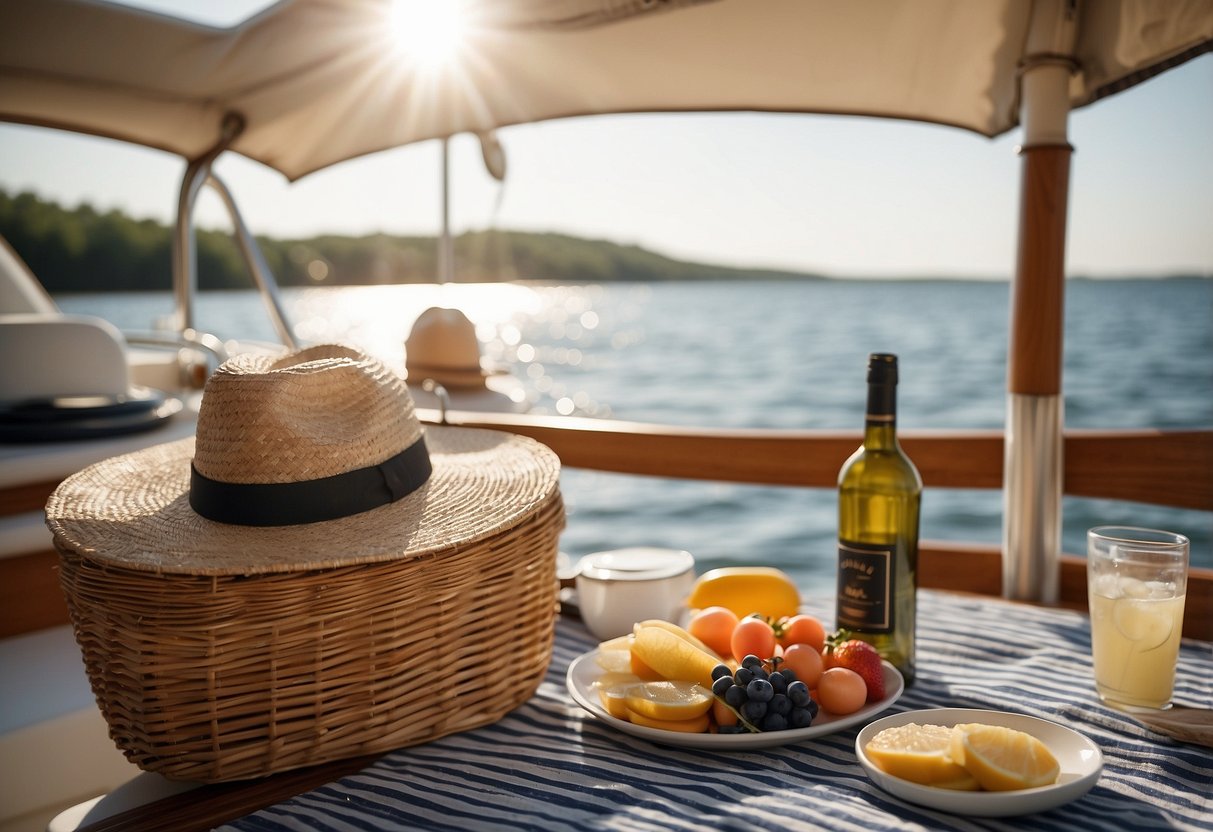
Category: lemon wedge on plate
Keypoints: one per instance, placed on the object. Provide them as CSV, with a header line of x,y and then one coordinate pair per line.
x,y
920,754
1003,759
671,657
698,725
669,701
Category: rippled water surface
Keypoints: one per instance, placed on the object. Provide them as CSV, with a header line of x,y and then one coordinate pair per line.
x,y
780,355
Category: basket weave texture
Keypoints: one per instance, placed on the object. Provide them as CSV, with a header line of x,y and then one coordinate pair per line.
x,y
224,677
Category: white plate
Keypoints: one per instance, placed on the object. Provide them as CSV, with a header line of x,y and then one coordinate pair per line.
x,y
585,670
1080,759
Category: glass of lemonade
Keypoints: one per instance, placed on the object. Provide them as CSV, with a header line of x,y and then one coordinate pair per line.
x,y
1136,583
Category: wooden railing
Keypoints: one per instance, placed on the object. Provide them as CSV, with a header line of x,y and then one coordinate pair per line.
x,y
1160,467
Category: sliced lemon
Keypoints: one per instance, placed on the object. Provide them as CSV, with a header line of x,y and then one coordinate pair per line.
x,y
671,701
1003,759
1146,623
671,657
614,661
623,642
614,698
678,631
642,670
964,783
611,679
919,753
698,725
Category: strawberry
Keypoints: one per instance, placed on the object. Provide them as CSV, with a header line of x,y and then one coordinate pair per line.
x,y
843,651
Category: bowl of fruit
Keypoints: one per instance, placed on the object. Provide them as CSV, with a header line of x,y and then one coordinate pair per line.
x,y
765,676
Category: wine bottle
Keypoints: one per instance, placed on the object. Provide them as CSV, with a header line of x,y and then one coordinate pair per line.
x,y
879,490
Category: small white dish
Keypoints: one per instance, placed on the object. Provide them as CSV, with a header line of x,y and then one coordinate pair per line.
x,y
585,670
1080,759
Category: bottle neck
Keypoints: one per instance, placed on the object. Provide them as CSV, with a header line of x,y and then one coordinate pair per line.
x,y
880,423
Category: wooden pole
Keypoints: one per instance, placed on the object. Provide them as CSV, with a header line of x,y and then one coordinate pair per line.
x,y
1038,293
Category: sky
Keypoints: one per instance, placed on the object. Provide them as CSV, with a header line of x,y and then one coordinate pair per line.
x,y
847,197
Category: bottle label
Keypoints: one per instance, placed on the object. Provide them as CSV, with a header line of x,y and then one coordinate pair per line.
x,y
865,582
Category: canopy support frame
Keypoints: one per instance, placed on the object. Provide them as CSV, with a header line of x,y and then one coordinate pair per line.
x,y
199,172
1033,461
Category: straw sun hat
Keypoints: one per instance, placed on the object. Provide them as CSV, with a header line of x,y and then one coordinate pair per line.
x,y
308,461
442,345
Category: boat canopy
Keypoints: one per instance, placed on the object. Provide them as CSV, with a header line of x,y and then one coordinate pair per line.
x,y
316,82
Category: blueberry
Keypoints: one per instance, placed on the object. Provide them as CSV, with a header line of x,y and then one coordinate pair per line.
x,y
778,682
754,711
798,692
774,722
760,690
735,696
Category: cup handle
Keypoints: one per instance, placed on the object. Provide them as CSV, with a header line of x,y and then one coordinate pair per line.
x,y
567,570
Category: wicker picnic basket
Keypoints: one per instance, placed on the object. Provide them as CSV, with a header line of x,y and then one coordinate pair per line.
x,y
219,651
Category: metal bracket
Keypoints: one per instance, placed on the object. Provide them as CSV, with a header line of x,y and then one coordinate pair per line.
x,y
444,398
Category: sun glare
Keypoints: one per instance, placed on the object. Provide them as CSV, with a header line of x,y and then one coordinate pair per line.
x,y
428,31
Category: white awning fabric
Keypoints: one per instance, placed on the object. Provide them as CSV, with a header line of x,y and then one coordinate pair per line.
x,y
320,81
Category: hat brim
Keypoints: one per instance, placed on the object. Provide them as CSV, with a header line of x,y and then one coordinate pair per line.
x,y
133,511
450,377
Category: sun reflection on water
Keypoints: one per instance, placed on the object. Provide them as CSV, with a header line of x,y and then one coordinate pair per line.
x,y
541,334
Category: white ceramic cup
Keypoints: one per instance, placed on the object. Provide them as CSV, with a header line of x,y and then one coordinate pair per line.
x,y
618,588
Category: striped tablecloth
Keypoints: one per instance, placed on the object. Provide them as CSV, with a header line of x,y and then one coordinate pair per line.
x,y
551,766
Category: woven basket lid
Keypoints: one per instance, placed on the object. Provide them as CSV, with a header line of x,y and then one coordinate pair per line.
x,y
322,413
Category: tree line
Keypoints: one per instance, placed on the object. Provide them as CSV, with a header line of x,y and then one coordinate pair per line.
x,y
82,249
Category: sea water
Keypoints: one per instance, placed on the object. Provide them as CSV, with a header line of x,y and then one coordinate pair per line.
x,y
1138,353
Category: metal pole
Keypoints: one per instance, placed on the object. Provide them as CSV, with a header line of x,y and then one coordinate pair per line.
x,y
446,250
184,257
257,266
1032,473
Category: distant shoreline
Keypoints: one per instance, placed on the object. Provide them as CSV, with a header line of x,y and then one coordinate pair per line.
x,y
554,282
79,250
535,281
